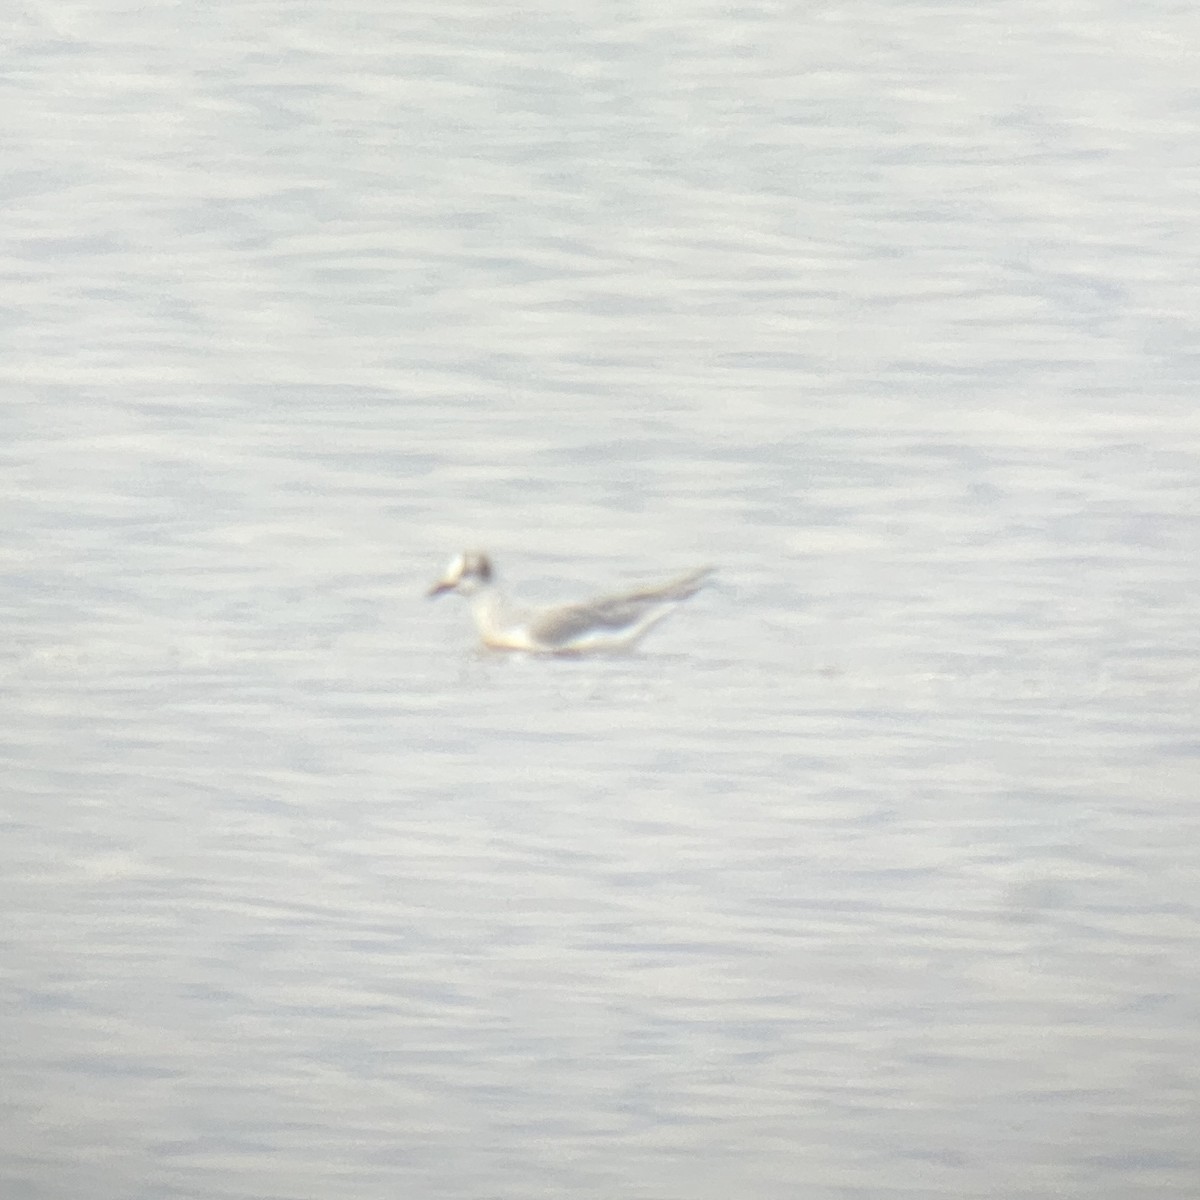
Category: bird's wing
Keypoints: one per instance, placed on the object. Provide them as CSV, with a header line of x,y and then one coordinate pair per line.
x,y
617,613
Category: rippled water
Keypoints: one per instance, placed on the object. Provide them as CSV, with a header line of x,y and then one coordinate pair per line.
x,y
873,874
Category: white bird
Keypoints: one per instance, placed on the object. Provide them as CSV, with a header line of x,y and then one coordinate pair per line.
x,y
609,623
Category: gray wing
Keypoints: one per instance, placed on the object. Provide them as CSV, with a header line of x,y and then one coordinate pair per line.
x,y
679,588
615,613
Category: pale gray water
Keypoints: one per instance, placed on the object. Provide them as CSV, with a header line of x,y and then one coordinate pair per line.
x,y
874,875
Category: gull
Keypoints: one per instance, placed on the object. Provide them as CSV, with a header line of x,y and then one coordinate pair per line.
x,y
608,623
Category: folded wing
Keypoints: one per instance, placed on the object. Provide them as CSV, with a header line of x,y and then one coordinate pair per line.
x,y
621,616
